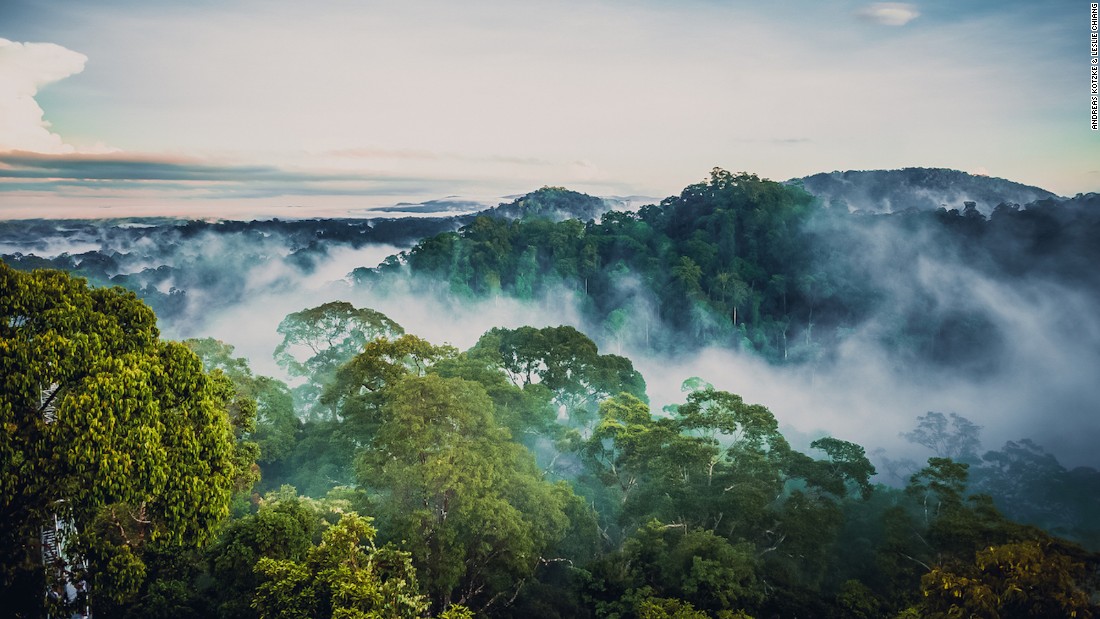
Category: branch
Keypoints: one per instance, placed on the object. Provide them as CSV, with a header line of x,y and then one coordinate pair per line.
x,y
492,600
774,546
140,516
922,563
922,539
550,467
121,530
603,533
542,561
770,549
54,390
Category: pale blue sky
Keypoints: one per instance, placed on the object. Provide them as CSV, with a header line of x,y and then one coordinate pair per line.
x,y
243,107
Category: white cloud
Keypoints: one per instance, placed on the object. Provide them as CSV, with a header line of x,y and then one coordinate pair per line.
x,y
24,69
890,13
652,104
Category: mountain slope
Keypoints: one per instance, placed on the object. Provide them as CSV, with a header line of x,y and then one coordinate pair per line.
x,y
553,203
891,191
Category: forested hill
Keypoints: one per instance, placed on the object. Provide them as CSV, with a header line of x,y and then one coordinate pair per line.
x,y
736,261
743,262
891,191
165,259
553,203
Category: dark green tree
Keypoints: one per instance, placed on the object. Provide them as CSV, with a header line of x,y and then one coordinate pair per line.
x,y
469,503
318,340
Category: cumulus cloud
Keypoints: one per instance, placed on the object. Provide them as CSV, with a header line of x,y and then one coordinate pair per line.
x,y
24,69
890,13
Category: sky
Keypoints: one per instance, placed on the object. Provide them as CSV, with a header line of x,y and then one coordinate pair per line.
x,y
244,108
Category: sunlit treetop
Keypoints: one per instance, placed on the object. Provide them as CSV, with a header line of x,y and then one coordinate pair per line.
x,y
104,425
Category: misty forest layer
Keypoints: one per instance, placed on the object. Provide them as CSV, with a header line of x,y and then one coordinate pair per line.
x,y
377,467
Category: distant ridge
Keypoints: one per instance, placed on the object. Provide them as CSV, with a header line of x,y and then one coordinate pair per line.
x,y
442,206
553,203
890,191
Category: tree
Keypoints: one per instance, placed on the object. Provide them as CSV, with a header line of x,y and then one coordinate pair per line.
x,y
959,442
696,566
1022,579
318,340
104,426
276,423
1029,485
625,443
565,361
282,529
217,358
344,577
737,466
846,467
470,504
939,487
687,273
956,525
528,412
357,390
668,570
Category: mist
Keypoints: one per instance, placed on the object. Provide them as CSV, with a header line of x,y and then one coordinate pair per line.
x,y
251,323
1041,385
879,191
1033,377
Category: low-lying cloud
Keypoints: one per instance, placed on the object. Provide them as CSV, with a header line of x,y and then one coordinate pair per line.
x,y
1042,385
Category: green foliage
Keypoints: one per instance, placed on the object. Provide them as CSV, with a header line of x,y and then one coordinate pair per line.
x,y
742,507
528,412
321,458
624,444
1029,485
667,608
282,529
939,487
238,387
697,566
468,502
343,577
318,340
1024,579
857,601
357,390
704,512
846,467
669,571
563,360
456,611
276,423
554,203
140,434
732,248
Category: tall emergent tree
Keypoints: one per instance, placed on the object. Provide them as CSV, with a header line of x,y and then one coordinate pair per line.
x,y
105,427
468,503
318,340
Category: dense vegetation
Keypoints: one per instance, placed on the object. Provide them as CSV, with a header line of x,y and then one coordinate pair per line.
x,y
182,267
108,429
886,191
747,263
528,475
